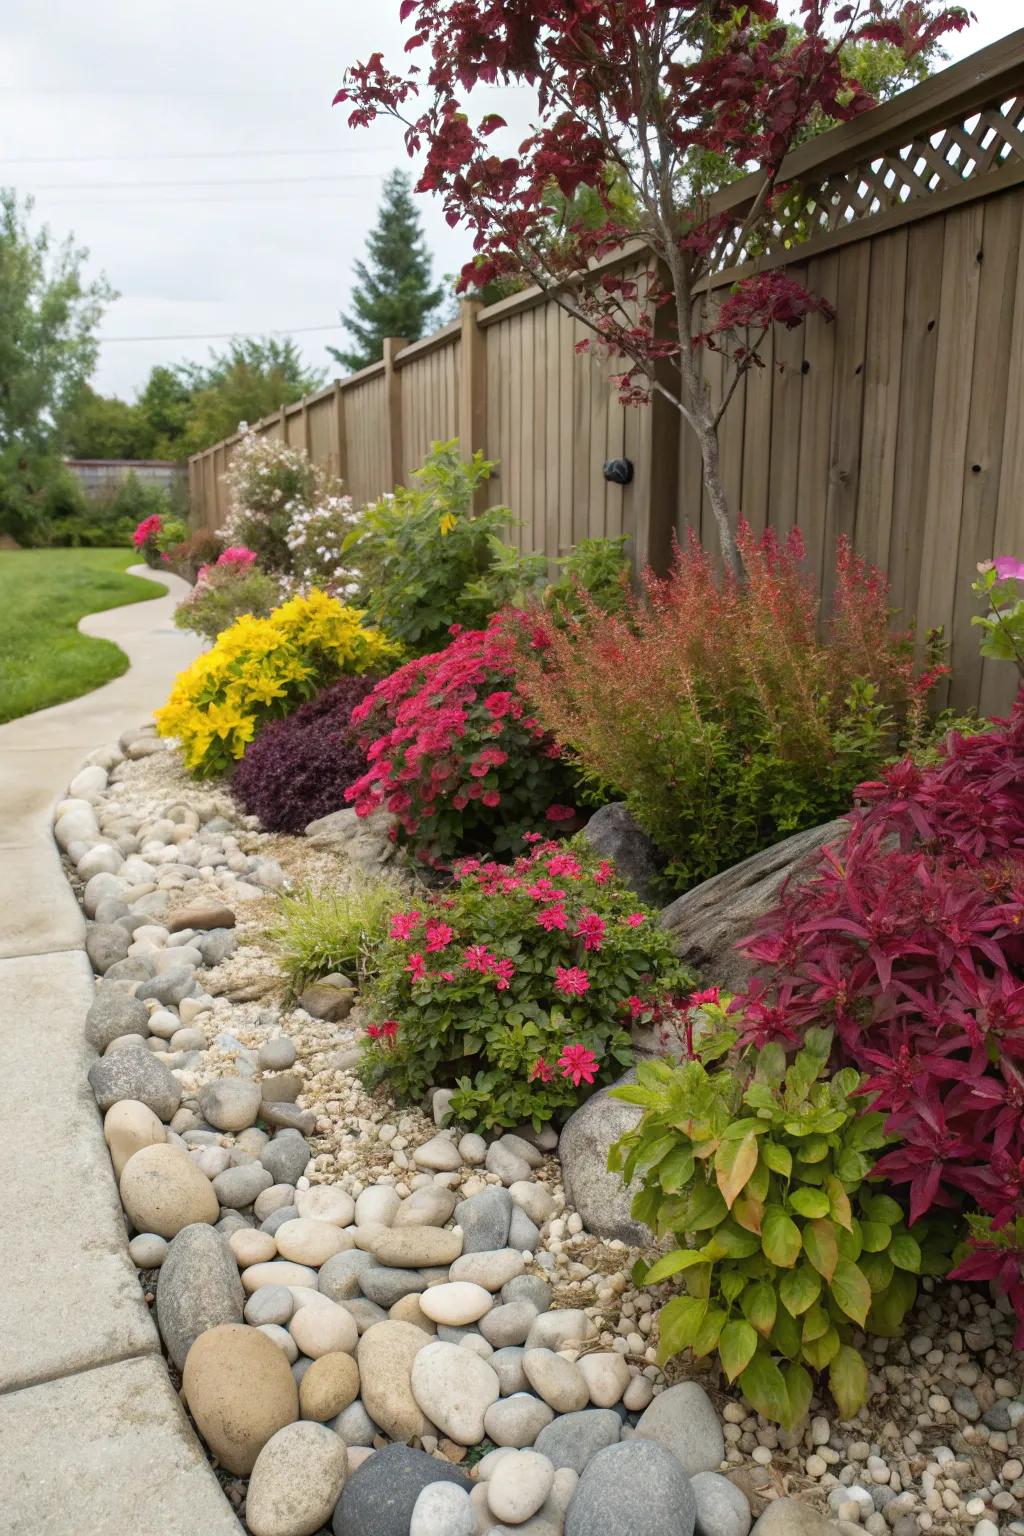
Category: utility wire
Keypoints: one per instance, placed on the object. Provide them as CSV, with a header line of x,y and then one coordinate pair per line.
x,y
297,330
148,186
191,154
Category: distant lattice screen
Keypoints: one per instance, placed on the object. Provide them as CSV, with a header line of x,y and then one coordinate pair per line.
x,y
982,143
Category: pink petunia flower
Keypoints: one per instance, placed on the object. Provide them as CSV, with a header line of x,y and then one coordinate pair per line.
x,y
564,866
491,798
540,1069
634,919
571,981
559,813
416,966
552,918
701,999
237,554
590,929
636,1006
403,925
579,1064
503,971
1008,568
477,958
439,935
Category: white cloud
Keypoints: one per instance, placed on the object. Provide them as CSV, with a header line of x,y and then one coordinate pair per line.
x,y
117,78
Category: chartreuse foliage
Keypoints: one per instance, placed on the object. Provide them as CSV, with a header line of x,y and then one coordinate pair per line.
x,y
261,669
760,1171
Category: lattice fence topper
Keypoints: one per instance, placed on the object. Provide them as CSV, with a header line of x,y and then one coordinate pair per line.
x,y
978,145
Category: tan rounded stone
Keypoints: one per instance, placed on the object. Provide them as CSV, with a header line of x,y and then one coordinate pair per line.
x,y
240,1391
251,1247
329,1385
306,1240
408,1310
416,1247
127,1128
162,1190
278,1272
326,1202
322,1330
296,1482
385,1355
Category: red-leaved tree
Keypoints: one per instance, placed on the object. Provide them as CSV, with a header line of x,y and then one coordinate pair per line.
x,y
635,95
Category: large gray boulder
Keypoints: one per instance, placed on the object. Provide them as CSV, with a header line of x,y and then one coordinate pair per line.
x,y
707,922
197,1288
601,1198
614,834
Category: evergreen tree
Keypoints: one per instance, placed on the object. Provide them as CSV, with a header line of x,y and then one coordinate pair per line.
x,y
394,296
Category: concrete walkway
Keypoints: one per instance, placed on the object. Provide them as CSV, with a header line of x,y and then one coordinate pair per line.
x,y
93,1439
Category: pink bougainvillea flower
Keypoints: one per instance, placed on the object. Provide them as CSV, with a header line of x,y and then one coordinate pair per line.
x,y
551,918
571,981
579,1064
386,1031
498,704
634,919
503,972
403,925
416,966
604,872
477,958
1008,568
532,837
237,554
636,1006
559,813
540,1069
564,866
491,798
148,529
439,935
702,999
590,929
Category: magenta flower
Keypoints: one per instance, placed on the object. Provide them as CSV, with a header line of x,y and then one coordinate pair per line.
x,y
590,929
403,924
416,966
579,1064
503,971
540,1069
1009,569
634,919
552,917
478,958
571,981
439,935
238,554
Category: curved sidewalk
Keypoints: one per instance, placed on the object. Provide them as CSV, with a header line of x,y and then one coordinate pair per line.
x,y
93,1437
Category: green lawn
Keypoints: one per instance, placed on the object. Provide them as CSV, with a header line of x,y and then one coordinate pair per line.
x,y
43,594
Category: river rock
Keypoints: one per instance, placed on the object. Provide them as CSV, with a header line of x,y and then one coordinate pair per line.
x,y
128,1126
238,1187
269,1304
170,987
428,1207
516,1420
230,1103
201,918
574,1439
490,1268
379,1497
197,1288
289,1117
532,1288
485,1219
286,1156
510,1324
507,1365
323,1329
386,1286
443,1509
558,1381
607,1377
722,1508
329,1386
386,1355
683,1419
379,1204
635,1488
454,1388
707,922
326,1202
613,833
330,998
278,1272
456,1304
438,1155
240,1391
354,1425
407,1309
519,1485
105,944
523,1233
296,1482
600,1197
308,1241
414,1247
251,1247
135,1075
509,1166
789,1517
147,1251
563,1326
277,1055
339,1278
113,1013
163,1191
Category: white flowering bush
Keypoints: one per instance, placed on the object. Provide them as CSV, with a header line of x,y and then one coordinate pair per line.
x,y
315,538
270,484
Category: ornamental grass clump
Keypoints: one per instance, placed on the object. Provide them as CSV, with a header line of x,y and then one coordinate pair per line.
x,y
299,768
339,929
717,708
516,988
760,1172
907,938
262,669
456,755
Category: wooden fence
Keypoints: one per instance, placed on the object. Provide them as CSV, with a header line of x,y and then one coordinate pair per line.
x,y
900,424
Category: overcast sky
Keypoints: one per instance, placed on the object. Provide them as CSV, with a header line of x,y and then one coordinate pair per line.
x,y
193,148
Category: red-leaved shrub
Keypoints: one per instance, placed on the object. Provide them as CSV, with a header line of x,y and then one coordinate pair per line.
x,y
455,753
909,938
299,768
721,710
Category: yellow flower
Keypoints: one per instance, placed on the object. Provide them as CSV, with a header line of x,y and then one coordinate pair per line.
x,y
447,523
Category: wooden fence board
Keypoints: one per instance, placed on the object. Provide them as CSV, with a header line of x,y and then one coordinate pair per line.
x,y
882,381
847,406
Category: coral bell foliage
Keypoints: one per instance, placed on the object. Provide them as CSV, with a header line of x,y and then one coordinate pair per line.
x,y
517,987
643,93
909,939
455,754
299,768
720,710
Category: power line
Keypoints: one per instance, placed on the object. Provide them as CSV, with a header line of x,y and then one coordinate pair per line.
x,y
296,330
148,186
191,154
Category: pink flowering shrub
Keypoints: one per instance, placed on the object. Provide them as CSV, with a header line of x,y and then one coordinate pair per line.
x,y
456,755
517,986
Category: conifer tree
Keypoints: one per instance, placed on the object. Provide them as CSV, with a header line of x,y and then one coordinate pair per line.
x,y
394,296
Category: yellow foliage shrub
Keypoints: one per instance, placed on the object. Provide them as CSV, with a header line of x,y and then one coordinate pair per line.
x,y
261,669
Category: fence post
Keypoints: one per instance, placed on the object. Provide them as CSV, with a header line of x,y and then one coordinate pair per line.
x,y
473,387
196,511
340,440
393,345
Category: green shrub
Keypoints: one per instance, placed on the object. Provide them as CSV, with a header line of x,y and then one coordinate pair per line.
x,y
597,567
760,1172
337,930
516,987
222,594
269,483
424,561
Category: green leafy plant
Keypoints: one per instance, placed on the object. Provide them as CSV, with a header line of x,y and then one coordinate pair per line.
x,y
425,561
597,567
222,594
269,483
319,931
1001,585
760,1171
516,987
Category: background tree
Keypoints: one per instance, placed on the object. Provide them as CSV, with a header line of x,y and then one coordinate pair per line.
x,y
104,427
394,296
253,378
632,93
49,313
